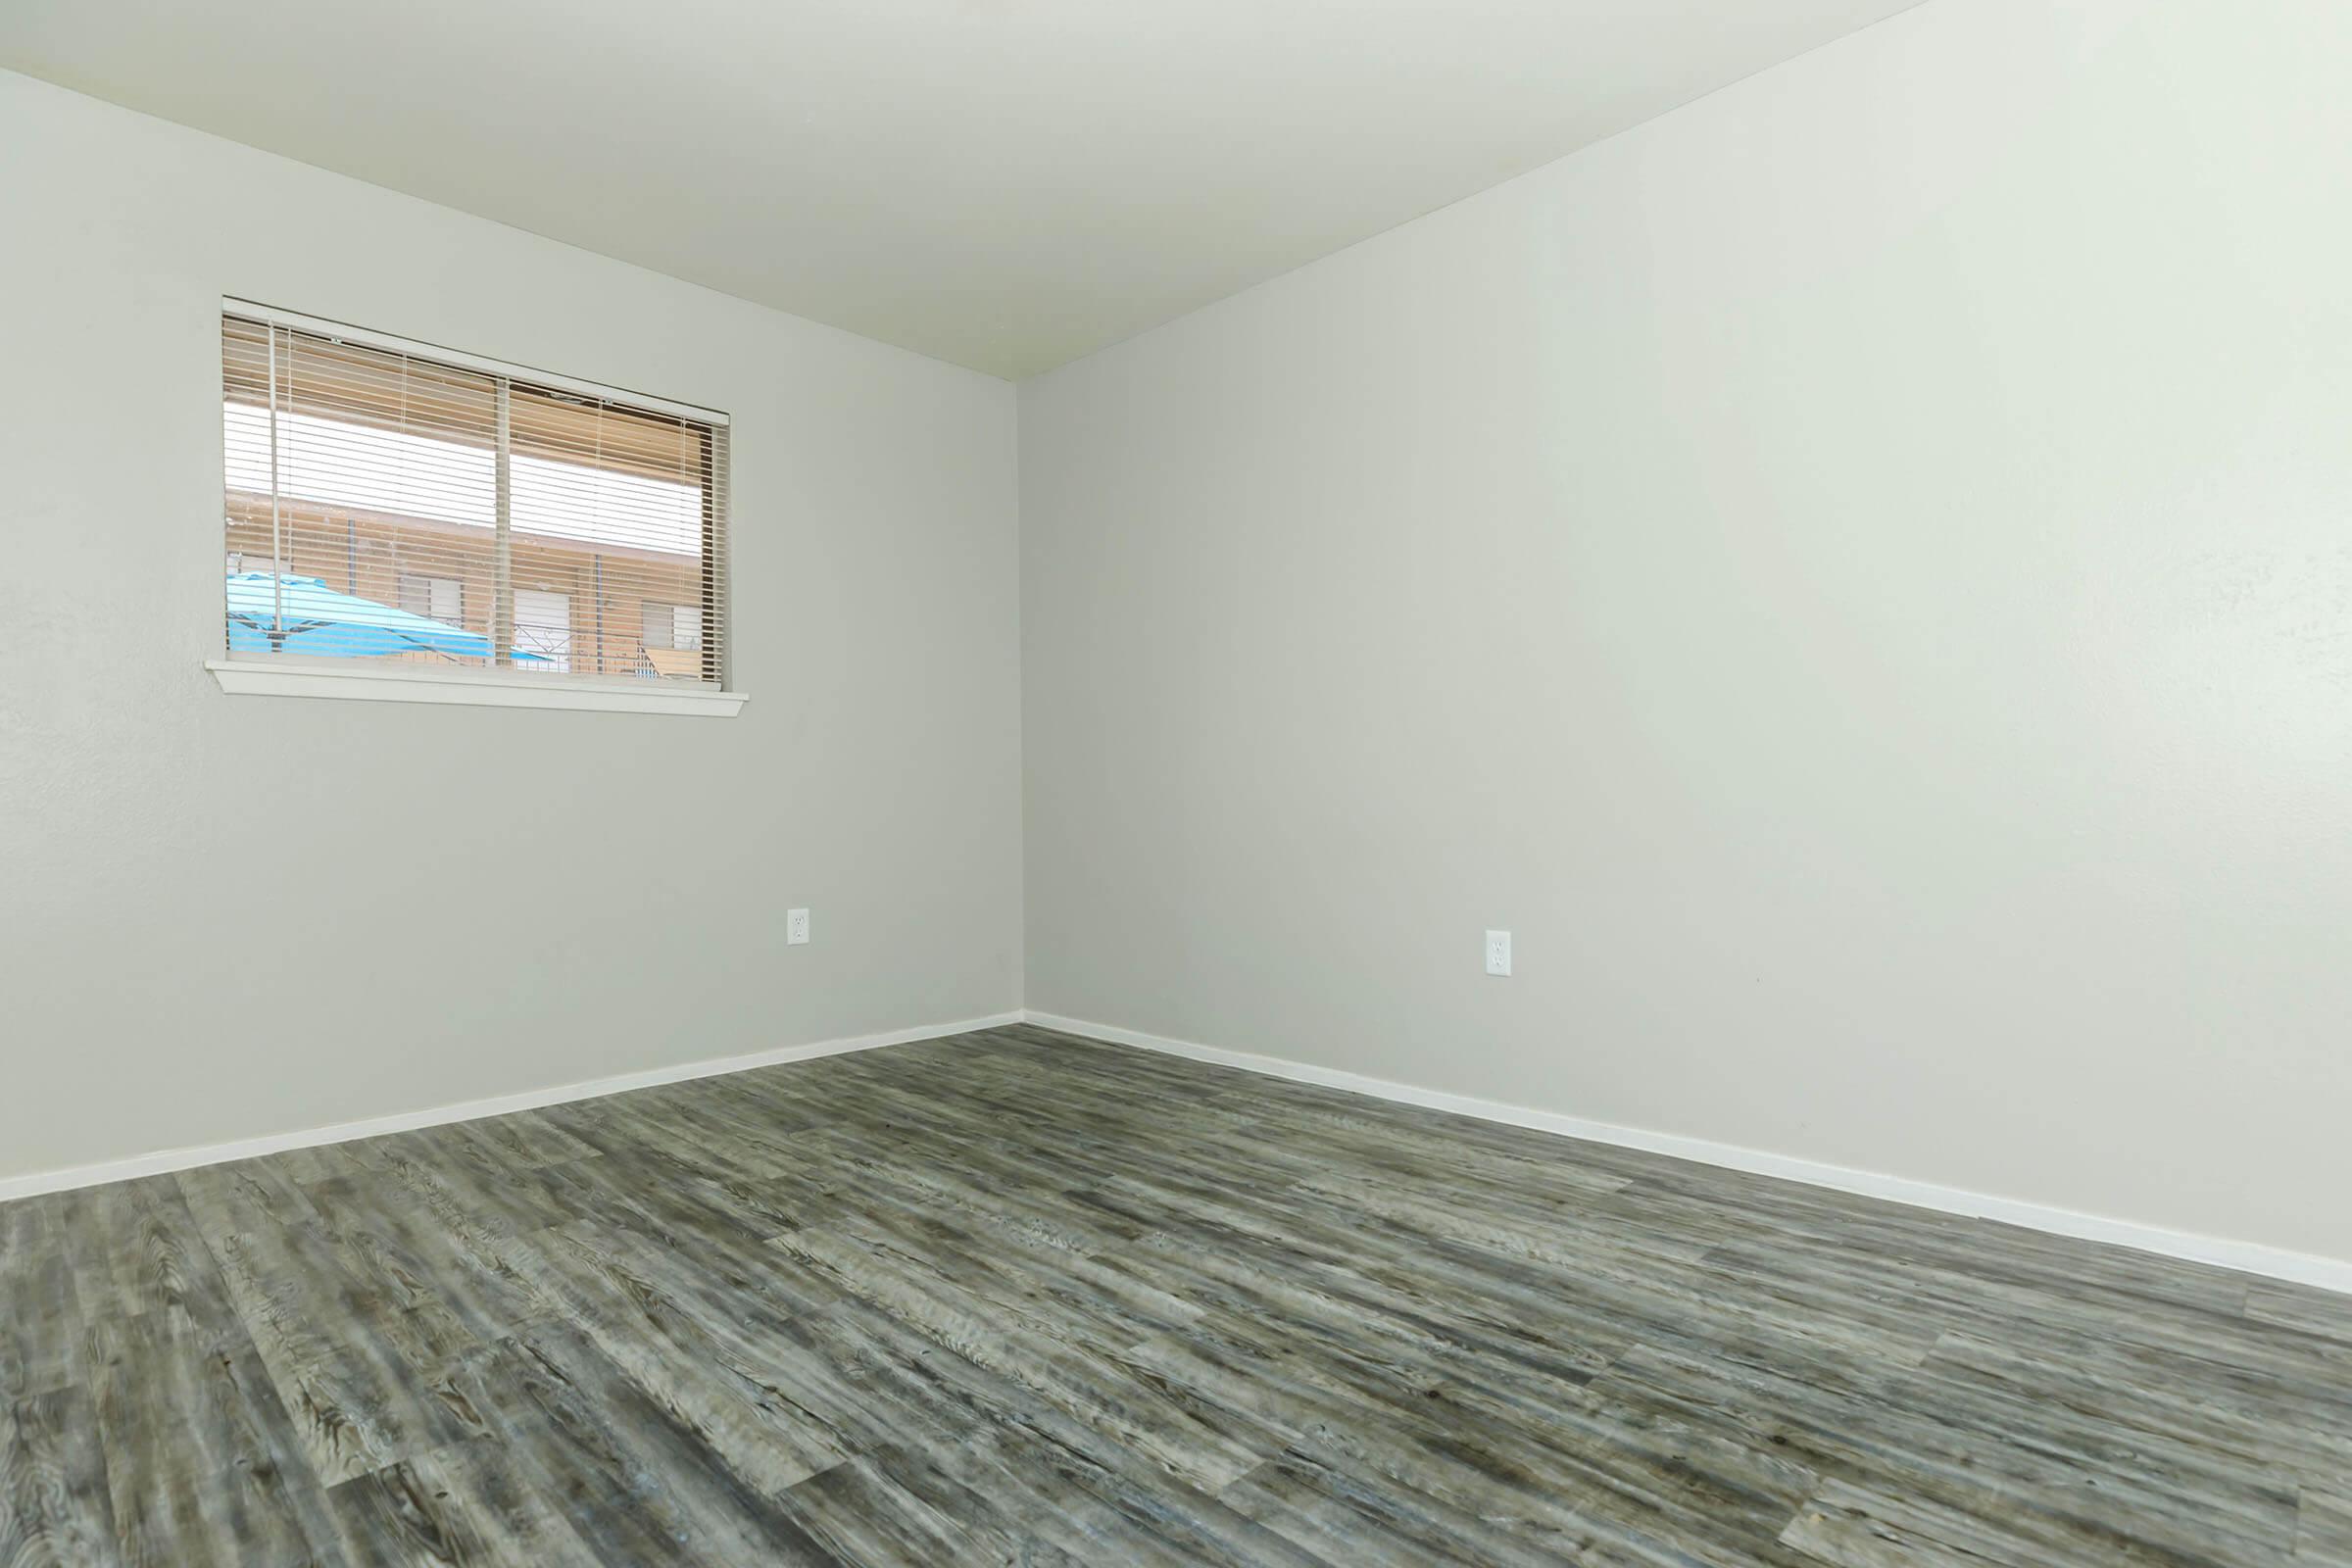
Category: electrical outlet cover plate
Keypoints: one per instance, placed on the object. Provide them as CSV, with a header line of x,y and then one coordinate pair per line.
x,y
796,928
1498,952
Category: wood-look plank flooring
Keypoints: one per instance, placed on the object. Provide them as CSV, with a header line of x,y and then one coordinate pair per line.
x,y
1017,1297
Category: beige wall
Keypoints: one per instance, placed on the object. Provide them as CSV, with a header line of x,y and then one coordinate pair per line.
x,y
1857,574
223,917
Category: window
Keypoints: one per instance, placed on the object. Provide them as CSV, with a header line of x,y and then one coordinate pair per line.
x,y
672,626
409,523
441,599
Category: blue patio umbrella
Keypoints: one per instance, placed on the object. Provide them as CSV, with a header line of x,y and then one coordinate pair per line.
x,y
318,620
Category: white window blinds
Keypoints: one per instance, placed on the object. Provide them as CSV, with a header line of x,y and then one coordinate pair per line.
x,y
405,505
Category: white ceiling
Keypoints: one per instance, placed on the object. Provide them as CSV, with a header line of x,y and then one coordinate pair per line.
x,y
1005,184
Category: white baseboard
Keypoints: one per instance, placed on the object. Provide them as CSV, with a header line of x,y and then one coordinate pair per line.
x,y
171,1160
2301,1268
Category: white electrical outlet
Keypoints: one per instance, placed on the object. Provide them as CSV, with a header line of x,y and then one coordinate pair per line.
x,y
796,928
1498,952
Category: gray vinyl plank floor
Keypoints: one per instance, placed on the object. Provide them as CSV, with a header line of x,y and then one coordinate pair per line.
x,y
1020,1297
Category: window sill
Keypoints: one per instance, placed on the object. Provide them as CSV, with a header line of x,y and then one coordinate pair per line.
x,y
243,677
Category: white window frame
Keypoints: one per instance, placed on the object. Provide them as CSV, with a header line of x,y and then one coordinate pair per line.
x,y
418,683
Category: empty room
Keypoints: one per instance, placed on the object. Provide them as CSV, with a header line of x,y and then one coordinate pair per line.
x,y
1026,782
